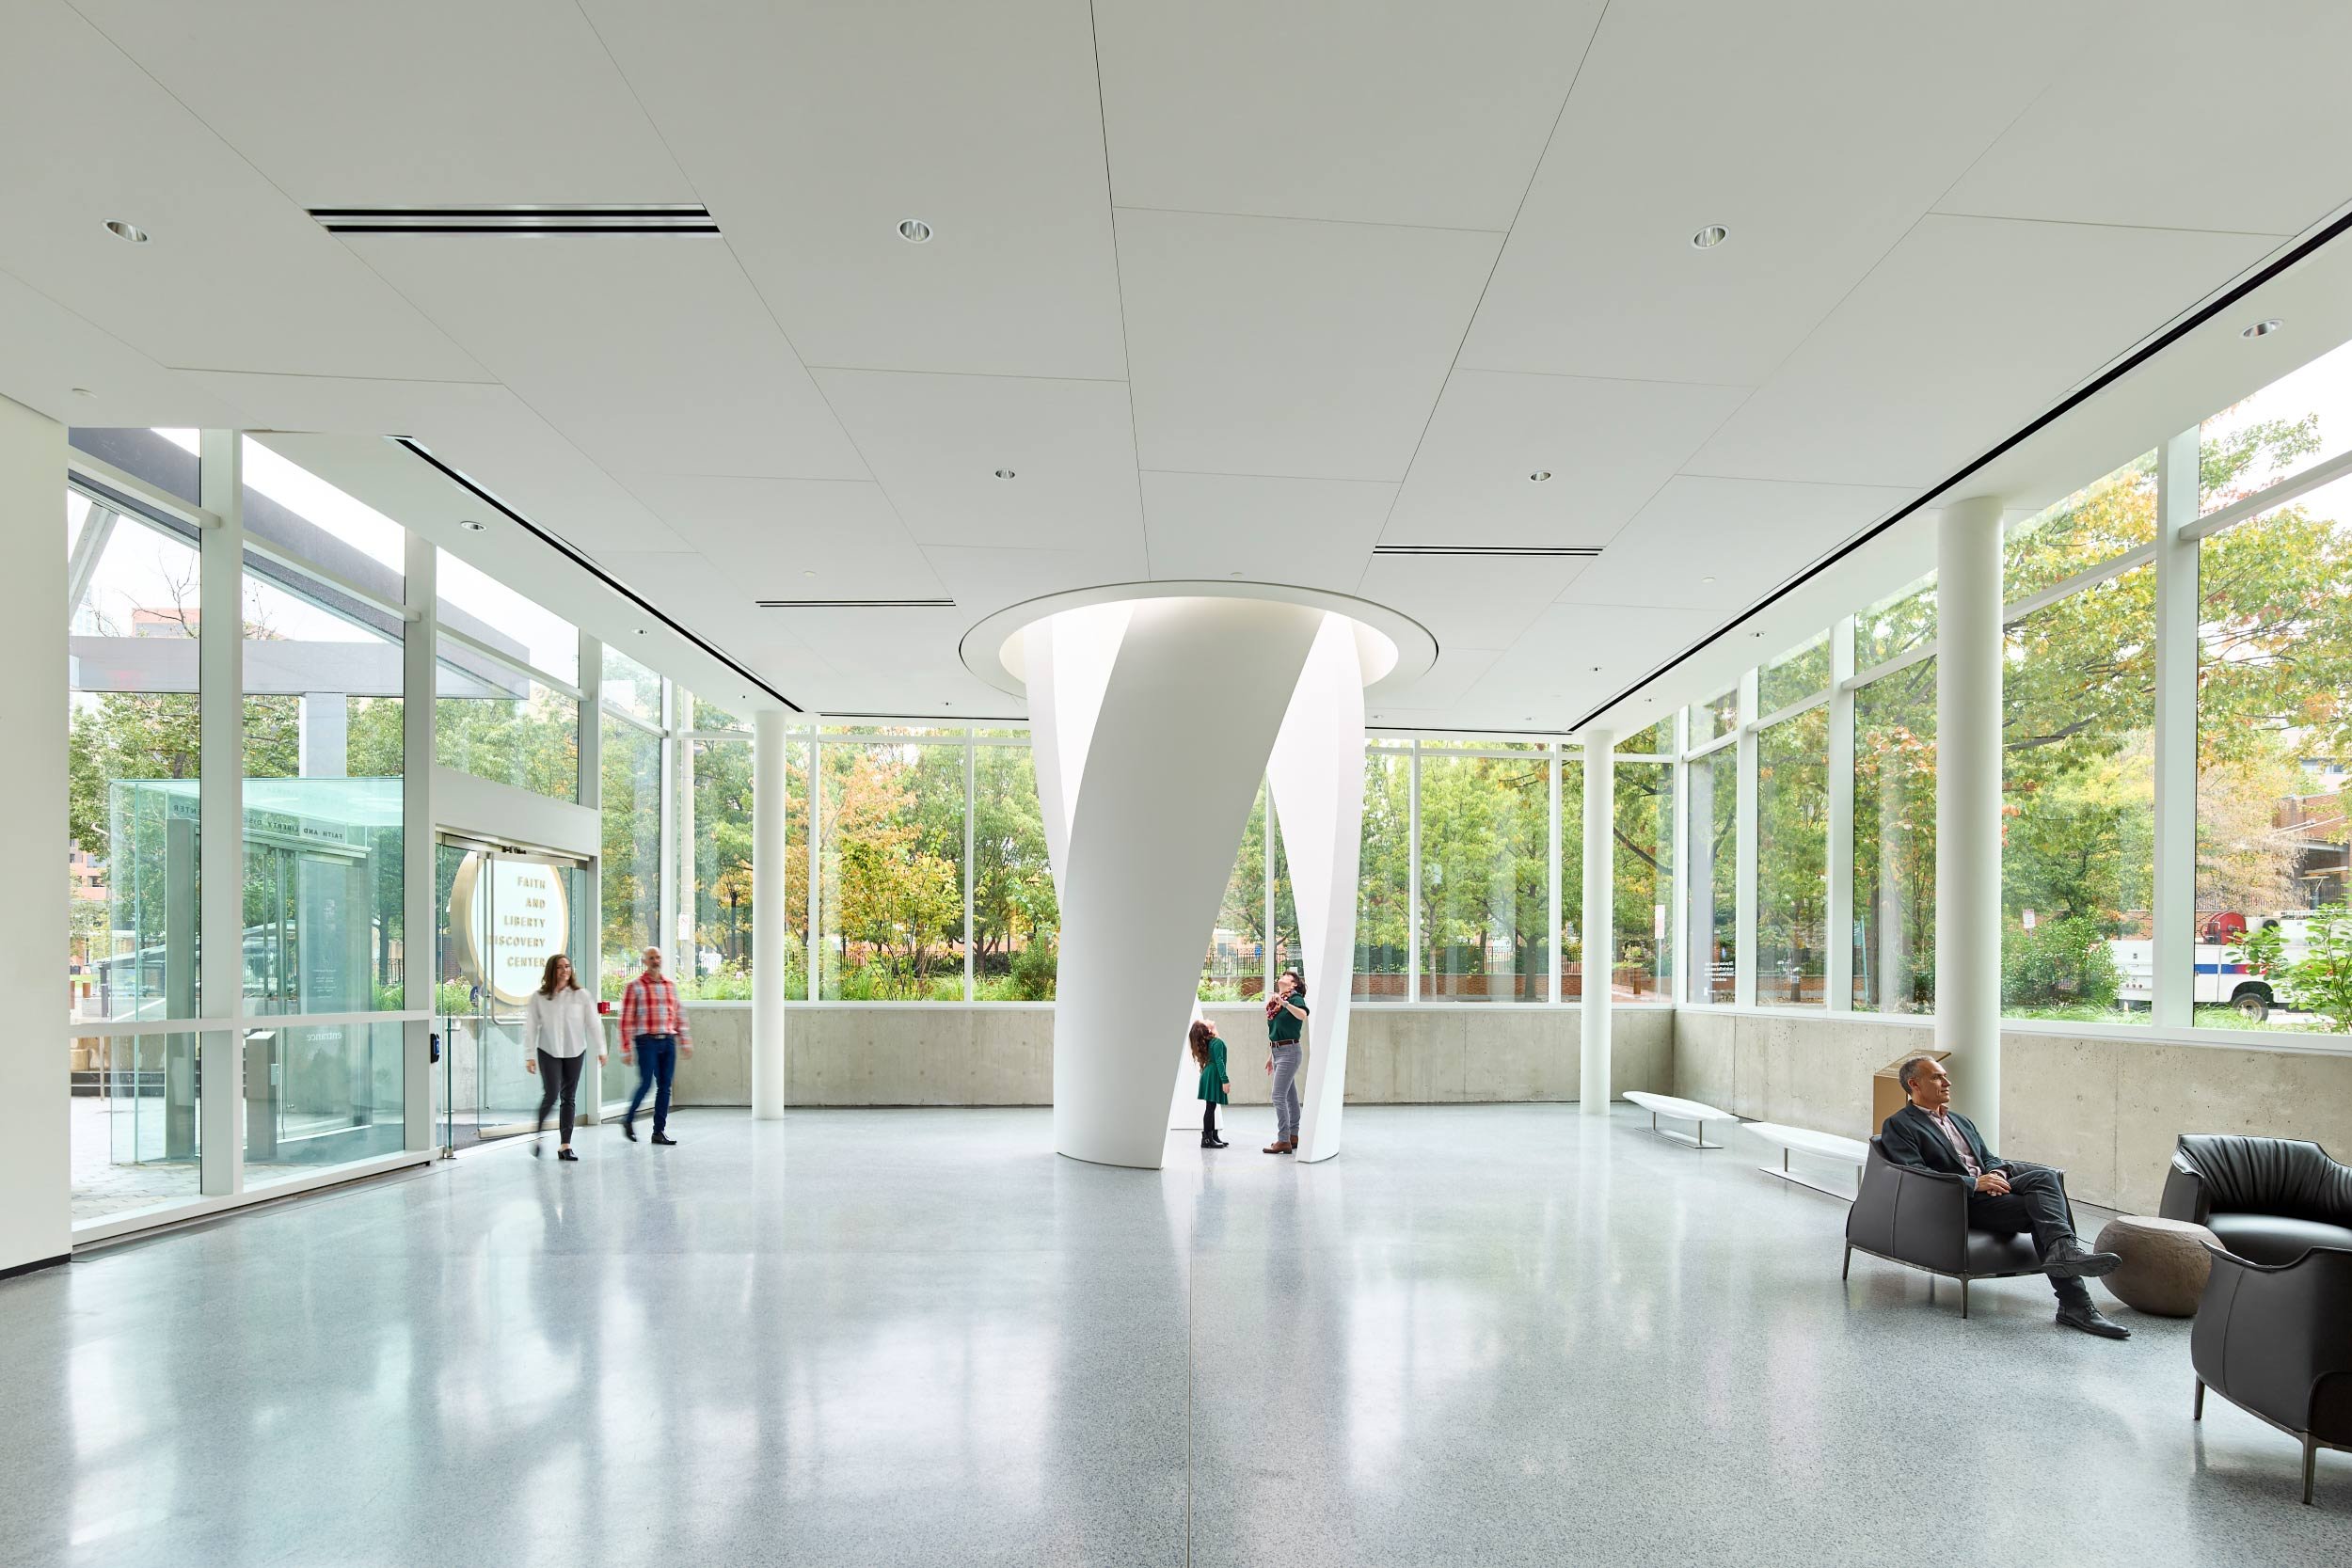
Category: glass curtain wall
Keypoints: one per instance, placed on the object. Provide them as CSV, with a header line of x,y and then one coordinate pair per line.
x,y
134,794
300,1066
629,865
324,873
1711,934
1894,842
1234,967
506,702
1384,887
1792,861
1486,877
1016,917
891,868
722,853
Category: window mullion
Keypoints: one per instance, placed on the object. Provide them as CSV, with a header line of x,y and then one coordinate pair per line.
x,y
2172,951
1839,934
1412,861
1744,852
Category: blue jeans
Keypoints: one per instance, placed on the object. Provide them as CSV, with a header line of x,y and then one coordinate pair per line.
x,y
657,1064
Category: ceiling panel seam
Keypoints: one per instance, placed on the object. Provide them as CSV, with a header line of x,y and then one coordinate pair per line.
x,y
1469,323
652,124
2180,325
127,346
2102,223
976,375
1118,283
1301,217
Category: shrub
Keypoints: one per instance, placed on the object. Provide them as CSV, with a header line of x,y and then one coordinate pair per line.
x,y
2321,981
2058,964
1034,969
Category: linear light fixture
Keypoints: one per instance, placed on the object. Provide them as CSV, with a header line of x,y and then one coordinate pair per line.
x,y
1549,552
656,218
586,563
855,604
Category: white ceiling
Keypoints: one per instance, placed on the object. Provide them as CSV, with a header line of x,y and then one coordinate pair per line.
x,y
1236,288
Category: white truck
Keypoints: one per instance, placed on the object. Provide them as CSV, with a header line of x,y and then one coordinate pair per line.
x,y
2223,979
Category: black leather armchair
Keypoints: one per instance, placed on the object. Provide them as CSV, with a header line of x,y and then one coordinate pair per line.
x,y
2275,1340
2269,1199
1919,1218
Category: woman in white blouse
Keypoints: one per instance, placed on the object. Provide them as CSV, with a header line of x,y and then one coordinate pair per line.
x,y
560,1028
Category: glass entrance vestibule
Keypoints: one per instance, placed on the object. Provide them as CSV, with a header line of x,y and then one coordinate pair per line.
x,y
318,1081
502,913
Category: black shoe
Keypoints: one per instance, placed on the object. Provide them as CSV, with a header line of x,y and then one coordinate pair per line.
x,y
2070,1260
627,1130
1216,1144
2091,1320
535,1149
663,1138
565,1154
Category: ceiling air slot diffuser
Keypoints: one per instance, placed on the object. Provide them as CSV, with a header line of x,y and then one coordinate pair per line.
x,y
1541,553
660,218
855,604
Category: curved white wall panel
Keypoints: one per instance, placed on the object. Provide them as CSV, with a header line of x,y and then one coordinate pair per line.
x,y
1154,722
1317,776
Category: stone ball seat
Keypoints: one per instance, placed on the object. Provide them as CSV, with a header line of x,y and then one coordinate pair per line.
x,y
2165,1264
2270,1201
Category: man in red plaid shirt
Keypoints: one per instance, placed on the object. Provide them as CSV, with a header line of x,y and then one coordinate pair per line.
x,y
653,1026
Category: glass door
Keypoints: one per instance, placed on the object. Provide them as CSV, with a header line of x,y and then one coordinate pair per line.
x,y
503,912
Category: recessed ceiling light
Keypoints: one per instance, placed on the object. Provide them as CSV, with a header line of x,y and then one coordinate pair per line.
x,y
914,230
1004,473
2263,328
122,230
1707,580
1709,237
472,525
1540,475
807,573
84,392
641,632
1595,669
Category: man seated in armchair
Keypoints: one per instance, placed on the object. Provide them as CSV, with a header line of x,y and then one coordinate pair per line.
x,y
2005,1196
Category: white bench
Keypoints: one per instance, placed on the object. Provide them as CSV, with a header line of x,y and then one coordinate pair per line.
x,y
1680,1110
1804,1140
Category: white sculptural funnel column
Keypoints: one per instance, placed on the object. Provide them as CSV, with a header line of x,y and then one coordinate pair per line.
x,y
1153,720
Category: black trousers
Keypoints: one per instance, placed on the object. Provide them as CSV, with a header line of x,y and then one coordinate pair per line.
x,y
560,1076
1208,1120
2035,1203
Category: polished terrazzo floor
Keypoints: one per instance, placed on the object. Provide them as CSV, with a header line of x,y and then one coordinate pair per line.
x,y
1485,1335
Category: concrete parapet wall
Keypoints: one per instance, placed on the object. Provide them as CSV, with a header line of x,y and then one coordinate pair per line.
x,y
2105,1110
1002,1054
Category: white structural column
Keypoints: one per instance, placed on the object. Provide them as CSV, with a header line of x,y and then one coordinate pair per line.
x,y
1316,777
769,927
1968,806
1599,923
36,1223
221,810
1153,720
418,961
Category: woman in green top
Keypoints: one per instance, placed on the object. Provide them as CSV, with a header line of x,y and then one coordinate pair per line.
x,y
1209,1052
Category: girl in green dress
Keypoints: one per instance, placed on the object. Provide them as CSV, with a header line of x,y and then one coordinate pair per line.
x,y
1209,1052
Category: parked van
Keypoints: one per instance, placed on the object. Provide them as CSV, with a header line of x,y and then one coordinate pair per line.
x,y
2223,979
